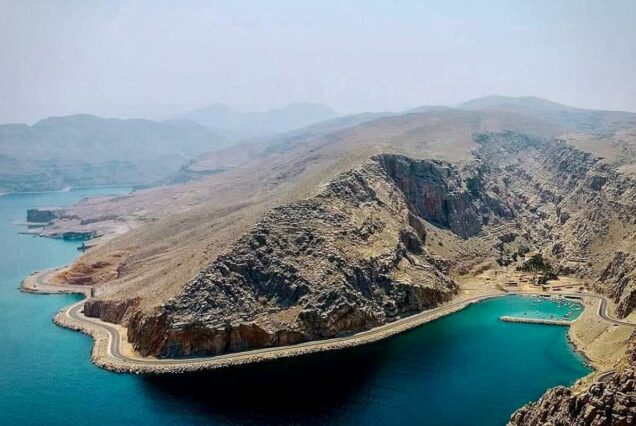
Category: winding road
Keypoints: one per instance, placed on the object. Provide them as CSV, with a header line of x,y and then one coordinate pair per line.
x,y
114,350
602,312
122,361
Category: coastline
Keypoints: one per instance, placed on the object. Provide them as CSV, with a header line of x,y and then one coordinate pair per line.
x,y
36,283
104,333
107,336
599,340
72,188
103,356
580,350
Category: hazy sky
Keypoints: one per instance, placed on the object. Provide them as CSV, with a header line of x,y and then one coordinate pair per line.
x,y
154,58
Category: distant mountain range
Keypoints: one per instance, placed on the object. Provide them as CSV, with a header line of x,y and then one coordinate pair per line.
x,y
582,120
82,150
522,102
251,124
88,150
79,150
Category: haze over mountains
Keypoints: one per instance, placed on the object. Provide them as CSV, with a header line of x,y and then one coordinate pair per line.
x,y
303,177
355,222
580,119
88,150
84,150
250,124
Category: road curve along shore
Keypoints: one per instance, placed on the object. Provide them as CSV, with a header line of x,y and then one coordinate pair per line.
x,y
108,352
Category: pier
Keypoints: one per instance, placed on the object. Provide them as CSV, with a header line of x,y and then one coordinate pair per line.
x,y
564,323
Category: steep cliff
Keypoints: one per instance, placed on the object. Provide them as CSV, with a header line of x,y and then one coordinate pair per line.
x,y
437,193
580,213
596,231
346,260
618,279
353,256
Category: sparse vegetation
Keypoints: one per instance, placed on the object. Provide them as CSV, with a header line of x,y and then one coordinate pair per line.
x,y
537,264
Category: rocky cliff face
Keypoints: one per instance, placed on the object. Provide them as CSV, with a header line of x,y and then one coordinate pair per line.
x,y
438,194
351,258
354,256
618,279
580,213
42,215
609,403
596,222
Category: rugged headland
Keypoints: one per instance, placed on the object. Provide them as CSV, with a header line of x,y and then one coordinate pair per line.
x,y
336,232
355,255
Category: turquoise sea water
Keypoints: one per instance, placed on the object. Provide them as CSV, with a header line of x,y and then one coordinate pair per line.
x,y
465,369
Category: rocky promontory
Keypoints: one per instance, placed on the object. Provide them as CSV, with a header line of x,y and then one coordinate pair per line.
x,y
351,258
356,255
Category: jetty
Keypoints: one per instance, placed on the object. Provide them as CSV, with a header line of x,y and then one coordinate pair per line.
x,y
564,323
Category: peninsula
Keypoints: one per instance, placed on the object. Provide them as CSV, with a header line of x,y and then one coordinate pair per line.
x,y
344,236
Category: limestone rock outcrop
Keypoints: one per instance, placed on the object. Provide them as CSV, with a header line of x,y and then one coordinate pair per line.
x,y
619,281
348,259
109,311
440,195
42,215
357,254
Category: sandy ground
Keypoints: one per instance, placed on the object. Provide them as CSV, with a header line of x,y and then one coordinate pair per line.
x,y
603,344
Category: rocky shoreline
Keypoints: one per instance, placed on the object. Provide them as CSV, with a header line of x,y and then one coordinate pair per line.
x,y
103,357
375,244
601,395
579,349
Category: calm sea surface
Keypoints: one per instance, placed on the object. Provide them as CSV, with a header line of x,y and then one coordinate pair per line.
x,y
465,369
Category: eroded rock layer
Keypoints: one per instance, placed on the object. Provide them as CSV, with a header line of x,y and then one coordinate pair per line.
x,y
347,260
356,255
619,281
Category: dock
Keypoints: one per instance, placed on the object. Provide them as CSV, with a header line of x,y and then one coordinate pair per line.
x,y
564,323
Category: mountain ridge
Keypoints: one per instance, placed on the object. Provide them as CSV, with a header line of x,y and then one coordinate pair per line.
x,y
278,120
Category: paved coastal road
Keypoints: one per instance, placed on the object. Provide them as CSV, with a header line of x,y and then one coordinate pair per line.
x,y
115,351
602,312
40,282
116,354
606,376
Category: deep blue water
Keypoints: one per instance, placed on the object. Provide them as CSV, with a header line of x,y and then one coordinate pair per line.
x,y
465,369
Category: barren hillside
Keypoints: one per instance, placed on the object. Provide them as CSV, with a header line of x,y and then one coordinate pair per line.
x,y
345,230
